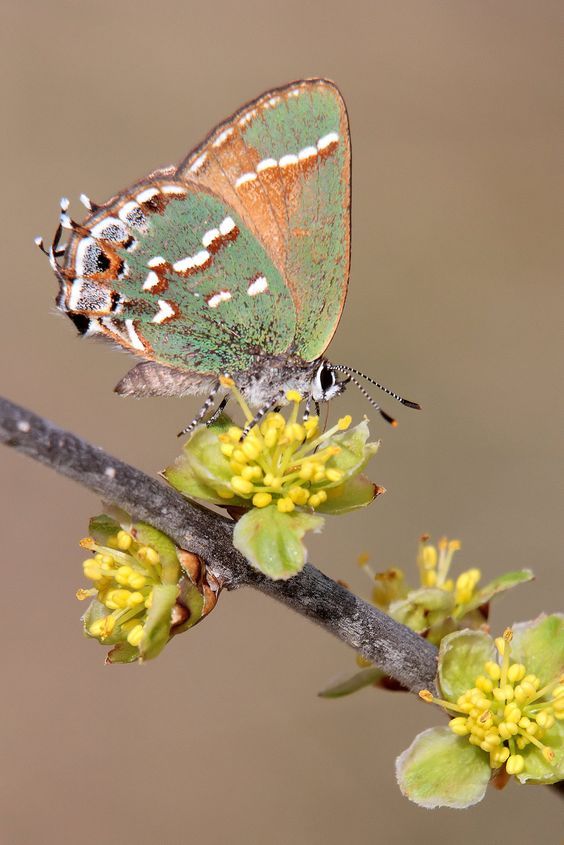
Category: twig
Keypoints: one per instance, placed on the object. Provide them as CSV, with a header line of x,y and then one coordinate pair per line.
x,y
392,647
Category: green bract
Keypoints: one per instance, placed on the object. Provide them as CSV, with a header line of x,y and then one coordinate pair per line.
x,y
145,589
272,541
506,699
440,769
282,473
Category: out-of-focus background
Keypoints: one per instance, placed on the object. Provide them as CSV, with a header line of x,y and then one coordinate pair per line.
x,y
455,300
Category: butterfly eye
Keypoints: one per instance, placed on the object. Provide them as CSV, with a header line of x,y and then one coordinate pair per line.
x,y
324,384
327,378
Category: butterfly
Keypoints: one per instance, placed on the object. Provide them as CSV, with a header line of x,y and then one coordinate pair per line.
x,y
233,263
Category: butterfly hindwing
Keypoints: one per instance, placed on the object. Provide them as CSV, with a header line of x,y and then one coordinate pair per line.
x,y
170,271
283,163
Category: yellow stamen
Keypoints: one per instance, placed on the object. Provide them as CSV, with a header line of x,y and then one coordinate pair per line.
x,y
285,505
317,499
102,627
428,697
298,495
334,474
146,553
137,581
124,540
84,594
135,599
241,485
250,450
135,635
262,500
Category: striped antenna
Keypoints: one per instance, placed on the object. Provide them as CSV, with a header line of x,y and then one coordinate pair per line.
x,y
374,404
342,368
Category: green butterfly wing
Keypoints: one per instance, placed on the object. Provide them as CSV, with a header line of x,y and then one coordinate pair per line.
x,y
170,271
242,250
283,163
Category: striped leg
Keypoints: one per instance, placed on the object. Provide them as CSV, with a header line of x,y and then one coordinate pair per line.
x,y
218,411
202,412
262,412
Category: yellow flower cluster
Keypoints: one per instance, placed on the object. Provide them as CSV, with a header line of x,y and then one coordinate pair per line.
x,y
434,565
124,573
281,460
506,710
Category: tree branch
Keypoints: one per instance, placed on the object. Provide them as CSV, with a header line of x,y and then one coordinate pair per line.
x,y
392,647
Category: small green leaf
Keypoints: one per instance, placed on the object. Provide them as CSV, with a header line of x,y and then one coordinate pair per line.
x,y
271,541
192,599
202,469
439,626
181,476
539,644
156,631
440,769
409,614
149,536
432,598
422,608
462,655
103,526
96,610
355,451
356,492
123,653
365,678
498,585
537,768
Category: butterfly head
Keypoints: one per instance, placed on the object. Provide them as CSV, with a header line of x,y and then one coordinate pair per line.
x,y
326,384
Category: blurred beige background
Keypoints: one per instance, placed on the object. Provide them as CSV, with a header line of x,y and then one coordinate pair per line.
x,y
455,300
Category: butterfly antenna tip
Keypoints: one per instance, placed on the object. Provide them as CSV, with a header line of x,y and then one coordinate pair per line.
x,y
393,422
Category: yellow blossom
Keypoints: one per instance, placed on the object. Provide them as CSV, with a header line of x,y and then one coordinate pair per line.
x,y
282,461
506,710
124,573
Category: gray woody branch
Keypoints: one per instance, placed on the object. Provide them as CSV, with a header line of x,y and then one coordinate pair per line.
x,y
392,647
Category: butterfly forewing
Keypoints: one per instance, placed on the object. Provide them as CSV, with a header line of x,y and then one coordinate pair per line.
x,y
173,273
283,163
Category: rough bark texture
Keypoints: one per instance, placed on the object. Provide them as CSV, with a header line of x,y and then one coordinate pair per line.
x,y
393,648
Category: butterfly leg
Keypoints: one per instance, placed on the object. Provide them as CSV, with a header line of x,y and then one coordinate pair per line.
x,y
217,413
305,417
262,412
202,412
